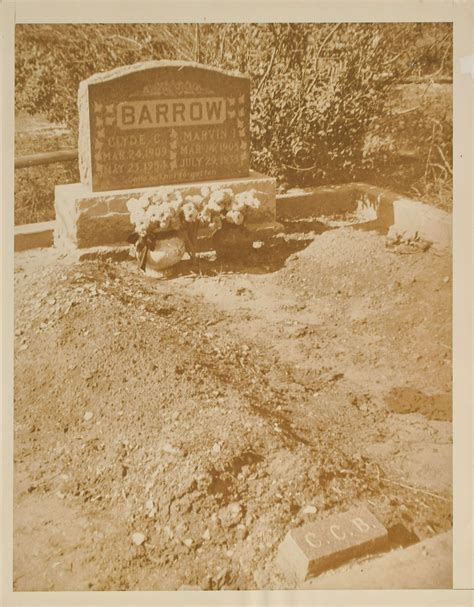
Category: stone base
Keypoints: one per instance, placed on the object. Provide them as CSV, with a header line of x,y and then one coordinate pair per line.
x,y
121,252
86,219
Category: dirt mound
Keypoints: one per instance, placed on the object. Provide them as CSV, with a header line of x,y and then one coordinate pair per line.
x,y
181,427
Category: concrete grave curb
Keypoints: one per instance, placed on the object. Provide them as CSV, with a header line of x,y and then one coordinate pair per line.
x,y
391,214
34,235
385,211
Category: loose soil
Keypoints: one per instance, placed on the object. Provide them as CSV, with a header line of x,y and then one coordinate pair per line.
x,y
170,432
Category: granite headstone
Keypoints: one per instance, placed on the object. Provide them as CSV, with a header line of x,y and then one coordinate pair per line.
x,y
162,122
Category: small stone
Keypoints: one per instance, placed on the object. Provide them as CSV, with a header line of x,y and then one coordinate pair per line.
x,y
168,532
181,527
138,538
149,505
235,508
446,279
309,509
230,515
169,449
216,449
229,553
188,542
206,536
88,415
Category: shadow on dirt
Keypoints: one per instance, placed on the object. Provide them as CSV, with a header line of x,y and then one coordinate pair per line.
x,y
271,257
401,537
280,422
223,480
409,400
305,225
269,254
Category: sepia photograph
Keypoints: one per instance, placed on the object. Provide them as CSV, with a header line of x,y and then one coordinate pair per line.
x,y
233,306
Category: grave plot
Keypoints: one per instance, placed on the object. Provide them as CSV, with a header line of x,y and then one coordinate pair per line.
x,y
172,433
246,421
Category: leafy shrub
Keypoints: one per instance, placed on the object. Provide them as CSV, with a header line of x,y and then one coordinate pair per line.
x,y
318,90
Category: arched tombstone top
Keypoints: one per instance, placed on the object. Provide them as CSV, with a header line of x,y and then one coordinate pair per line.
x,y
163,122
172,65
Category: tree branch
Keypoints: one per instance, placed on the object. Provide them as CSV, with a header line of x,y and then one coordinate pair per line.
x,y
321,47
267,73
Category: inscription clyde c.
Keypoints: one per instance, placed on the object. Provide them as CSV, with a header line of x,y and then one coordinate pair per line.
x,y
171,112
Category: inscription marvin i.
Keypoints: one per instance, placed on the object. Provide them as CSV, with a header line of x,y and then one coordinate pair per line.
x,y
162,123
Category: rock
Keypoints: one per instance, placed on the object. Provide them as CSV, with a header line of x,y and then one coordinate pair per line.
x,y
138,538
230,515
168,532
241,532
188,542
88,415
206,536
169,449
216,449
446,279
310,509
311,549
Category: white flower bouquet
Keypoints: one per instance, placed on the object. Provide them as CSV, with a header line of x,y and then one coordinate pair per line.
x,y
166,210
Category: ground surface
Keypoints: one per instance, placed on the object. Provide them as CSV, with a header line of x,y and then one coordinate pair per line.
x,y
206,411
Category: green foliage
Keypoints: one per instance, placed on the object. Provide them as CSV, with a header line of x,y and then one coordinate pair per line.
x,y
34,190
318,90
51,60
